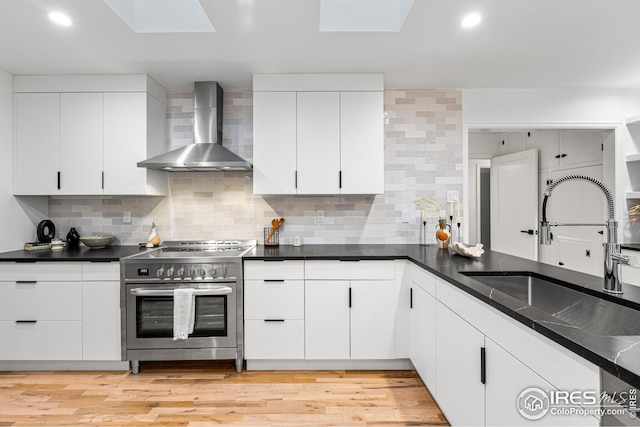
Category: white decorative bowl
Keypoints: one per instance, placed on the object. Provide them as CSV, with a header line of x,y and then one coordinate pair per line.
x,y
97,242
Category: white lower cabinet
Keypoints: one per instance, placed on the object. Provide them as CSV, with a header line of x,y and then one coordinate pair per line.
x,y
460,392
349,319
274,310
60,311
422,336
485,362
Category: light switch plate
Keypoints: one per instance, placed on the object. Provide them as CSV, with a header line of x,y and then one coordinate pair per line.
x,y
126,217
405,216
319,217
452,196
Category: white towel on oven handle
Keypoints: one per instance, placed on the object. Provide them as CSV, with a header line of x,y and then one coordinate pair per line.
x,y
184,313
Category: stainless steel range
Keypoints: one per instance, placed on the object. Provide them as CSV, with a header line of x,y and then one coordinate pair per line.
x,y
213,269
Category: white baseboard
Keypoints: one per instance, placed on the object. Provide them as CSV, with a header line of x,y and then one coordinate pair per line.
x,y
278,365
63,365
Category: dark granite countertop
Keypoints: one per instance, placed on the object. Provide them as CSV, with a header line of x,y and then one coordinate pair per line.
x,y
631,246
83,253
618,355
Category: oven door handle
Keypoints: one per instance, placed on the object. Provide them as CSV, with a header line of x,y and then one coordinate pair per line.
x,y
219,290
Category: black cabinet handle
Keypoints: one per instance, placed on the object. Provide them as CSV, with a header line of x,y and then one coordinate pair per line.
x,y
561,263
340,179
103,180
273,280
274,320
26,321
295,179
410,297
58,180
483,365
349,260
349,297
530,232
26,282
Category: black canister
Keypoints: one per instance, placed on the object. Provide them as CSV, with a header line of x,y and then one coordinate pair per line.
x,y
73,238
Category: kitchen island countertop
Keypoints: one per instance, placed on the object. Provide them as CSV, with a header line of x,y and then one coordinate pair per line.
x,y
618,355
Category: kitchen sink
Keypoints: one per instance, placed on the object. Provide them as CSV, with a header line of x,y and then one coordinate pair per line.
x,y
588,312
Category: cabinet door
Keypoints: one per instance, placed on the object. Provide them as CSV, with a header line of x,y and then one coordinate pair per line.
x,y
580,146
274,142
37,143
513,143
362,142
101,321
326,324
546,142
373,320
422,327
318,147
81,143
125,142
460,392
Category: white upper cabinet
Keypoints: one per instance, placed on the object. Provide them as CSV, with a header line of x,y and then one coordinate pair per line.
x,y
274,142
37,149
318,134
84,135
81,143
566,148
362,142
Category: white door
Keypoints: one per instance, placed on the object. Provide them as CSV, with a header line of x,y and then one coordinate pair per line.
x,y
422,327
125,136
362,142
460,392
81,143
373,319
318,130
274,142
514,204
37,157
326,324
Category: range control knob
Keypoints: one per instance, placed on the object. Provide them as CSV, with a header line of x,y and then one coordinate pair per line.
x,y
212,272
181,271
203,272
170,272
190,272
160,272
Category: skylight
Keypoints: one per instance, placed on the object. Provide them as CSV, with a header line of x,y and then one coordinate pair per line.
x,y
363,15
162,16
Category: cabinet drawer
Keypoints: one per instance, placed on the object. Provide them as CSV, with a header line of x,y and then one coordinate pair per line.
x,y
101,271
41,341
420,277
49,271
278,299
274,340
350,270
260,270
40,301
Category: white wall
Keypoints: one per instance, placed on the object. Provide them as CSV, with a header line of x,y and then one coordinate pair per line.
x,y
559,109
18,217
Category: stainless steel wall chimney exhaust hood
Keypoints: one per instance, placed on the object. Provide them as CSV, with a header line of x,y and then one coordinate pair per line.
x,y
207,154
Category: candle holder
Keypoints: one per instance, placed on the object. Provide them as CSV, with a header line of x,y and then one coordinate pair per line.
x,y
423,232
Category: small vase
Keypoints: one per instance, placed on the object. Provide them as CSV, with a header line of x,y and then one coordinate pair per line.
x,y
443,236
73,238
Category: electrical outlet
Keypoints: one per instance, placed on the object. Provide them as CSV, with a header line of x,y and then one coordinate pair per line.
x,y
452,196
319,217
126,217
405,216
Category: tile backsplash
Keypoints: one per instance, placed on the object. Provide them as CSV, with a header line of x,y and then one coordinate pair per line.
x,y
423,157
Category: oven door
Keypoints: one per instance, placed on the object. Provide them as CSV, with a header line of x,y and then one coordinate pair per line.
x,y
149,316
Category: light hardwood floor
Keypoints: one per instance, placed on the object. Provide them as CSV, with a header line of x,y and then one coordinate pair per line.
x,y
211,393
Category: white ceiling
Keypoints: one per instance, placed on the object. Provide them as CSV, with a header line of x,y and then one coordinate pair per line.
x,y
520,43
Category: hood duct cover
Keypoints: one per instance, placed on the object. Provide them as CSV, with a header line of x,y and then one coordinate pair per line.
x,y
207,154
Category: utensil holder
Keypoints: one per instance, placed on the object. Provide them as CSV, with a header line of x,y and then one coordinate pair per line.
x,y
274,240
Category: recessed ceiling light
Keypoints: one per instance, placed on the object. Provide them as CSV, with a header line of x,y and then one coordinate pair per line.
x,y
60,19
471,20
